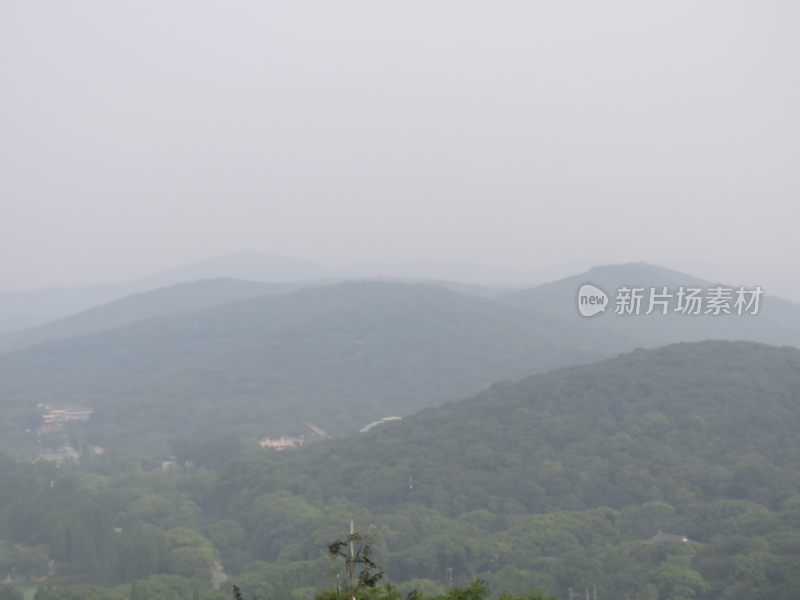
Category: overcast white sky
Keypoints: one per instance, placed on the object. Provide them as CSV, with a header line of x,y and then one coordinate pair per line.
x,y
540,137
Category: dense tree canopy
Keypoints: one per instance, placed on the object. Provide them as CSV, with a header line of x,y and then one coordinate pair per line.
x,y
555,482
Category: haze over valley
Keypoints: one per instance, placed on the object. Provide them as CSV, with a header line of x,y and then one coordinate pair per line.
x,y
399,301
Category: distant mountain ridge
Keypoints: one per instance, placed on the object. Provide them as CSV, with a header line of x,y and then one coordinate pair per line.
x,y
138,307
25,309
777,323
249,266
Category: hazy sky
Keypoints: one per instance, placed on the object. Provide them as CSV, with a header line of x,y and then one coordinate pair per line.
x,y
541,137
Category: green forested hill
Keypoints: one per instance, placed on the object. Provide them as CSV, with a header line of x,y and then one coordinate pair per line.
x,y
339,356
647,426
557,481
